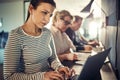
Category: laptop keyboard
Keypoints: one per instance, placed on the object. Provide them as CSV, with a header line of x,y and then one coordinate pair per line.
x,y
75,77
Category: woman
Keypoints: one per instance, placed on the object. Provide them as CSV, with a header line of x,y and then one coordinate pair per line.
x,y
61,21
30,51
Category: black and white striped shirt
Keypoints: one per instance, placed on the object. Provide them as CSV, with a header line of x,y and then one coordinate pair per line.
x,y
28,57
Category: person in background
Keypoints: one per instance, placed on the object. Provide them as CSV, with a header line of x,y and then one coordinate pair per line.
x,y
61,20
79,41
30,52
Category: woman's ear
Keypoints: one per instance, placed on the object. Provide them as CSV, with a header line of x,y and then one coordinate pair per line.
x,y
30,9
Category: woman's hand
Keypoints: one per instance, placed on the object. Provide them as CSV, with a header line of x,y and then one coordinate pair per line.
x,y
53,75
88,47
71,56
68,56
66,72
94,43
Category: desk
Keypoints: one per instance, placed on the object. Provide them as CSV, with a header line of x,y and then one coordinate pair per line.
x,y
77,65
106,71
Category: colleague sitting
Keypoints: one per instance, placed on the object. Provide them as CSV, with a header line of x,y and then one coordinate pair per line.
x,y
79,41
61,21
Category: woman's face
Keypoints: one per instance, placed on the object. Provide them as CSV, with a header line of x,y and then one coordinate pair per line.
x,y
41,16
64,23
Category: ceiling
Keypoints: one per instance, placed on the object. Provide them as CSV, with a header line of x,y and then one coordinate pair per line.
x,y
74,6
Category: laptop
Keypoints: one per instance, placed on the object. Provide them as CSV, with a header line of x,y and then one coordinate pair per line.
x,y
92,66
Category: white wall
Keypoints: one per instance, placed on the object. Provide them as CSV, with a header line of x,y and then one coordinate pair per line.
x,y
108,33
1,55
73,6
12,14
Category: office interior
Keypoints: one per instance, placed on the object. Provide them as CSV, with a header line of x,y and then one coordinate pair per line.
x,y
101,21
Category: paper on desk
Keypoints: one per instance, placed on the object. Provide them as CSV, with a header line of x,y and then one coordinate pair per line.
x,y
80,62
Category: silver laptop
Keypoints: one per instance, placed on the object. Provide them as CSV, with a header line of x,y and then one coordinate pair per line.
x,y
92,66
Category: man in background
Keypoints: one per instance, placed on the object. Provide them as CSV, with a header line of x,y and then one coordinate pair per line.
x,y
79,41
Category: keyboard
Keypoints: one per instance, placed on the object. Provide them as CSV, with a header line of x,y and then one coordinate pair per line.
x,y
75,77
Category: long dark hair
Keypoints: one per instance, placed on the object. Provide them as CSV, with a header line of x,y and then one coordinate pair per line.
x,y
35,4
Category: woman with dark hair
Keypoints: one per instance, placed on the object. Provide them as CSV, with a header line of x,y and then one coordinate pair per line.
x,y
30,53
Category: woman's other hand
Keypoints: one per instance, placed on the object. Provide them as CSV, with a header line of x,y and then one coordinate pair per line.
x,y
71,56
66,72
53,75
87,47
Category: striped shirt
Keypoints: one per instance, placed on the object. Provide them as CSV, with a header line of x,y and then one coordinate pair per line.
x,y
28,57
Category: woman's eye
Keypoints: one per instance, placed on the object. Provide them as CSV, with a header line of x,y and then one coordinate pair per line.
x,y
44,12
